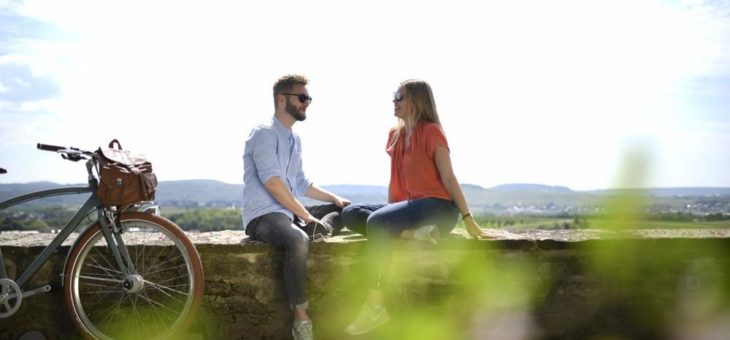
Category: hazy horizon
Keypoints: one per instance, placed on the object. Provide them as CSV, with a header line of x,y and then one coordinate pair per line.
x,y
386,186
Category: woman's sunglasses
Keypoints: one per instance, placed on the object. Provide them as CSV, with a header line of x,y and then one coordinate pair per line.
x,y
303,98
397,97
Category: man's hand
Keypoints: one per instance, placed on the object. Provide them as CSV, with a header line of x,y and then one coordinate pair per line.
x,y
341,202
320,194
310,219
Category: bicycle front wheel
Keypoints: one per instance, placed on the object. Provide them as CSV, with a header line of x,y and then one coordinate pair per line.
x,y
156,301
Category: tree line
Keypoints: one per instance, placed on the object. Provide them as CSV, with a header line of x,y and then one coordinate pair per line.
x,y
46,219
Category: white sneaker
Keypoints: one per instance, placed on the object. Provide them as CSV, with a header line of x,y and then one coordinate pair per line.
x,y
302,330
368,319
428,233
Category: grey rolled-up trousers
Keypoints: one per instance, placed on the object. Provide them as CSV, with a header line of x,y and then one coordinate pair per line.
x,y
279,231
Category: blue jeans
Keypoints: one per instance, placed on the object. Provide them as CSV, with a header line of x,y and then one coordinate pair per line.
x,y
278,230
383,223
395,217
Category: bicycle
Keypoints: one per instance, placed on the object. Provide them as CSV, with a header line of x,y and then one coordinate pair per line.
x,y
129,274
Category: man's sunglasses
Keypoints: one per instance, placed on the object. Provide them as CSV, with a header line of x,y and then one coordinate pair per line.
x,y
303,98
397,97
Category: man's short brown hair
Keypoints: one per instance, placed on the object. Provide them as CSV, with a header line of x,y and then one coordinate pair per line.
x,y
286,84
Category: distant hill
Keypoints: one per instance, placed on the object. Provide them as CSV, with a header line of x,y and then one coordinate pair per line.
x,y
191,193
669,192
188,192
355,193
198,192
12,190
352,189
529,187
507,198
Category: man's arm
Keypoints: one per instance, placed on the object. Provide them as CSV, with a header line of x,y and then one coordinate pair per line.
x,y
263,153
281,194
320,194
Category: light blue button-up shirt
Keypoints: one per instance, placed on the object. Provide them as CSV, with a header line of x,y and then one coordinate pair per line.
x,y
271,150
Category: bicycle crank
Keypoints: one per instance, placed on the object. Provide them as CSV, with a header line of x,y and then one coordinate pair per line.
x,y
36,291
10,298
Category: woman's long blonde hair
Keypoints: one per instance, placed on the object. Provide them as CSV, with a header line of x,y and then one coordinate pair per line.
x,y
420,95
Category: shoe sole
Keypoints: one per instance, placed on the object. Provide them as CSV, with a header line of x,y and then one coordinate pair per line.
x,y
383,321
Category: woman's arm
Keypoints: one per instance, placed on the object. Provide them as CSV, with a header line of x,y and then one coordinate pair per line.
x,y
448,179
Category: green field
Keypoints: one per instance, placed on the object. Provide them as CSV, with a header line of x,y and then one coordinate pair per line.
x,y
651,224
529,223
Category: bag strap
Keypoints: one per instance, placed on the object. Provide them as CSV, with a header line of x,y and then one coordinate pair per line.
x,y
111,144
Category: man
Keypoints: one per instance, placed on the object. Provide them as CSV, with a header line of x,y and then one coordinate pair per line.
x,y
273,177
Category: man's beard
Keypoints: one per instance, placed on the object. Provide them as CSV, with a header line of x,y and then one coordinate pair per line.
x,y
294,112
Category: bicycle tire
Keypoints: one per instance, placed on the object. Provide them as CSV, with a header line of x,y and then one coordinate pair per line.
x,y
169,268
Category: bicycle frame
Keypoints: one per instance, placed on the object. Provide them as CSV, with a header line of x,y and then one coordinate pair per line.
x,y
67,229
128,264
109,230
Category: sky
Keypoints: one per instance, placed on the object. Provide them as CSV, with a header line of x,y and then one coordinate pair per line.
x,y
550,92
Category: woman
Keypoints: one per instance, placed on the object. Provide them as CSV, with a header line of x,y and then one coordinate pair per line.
x,y
425,197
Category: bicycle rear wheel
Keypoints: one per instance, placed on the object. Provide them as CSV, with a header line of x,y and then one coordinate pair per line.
x,y
157,301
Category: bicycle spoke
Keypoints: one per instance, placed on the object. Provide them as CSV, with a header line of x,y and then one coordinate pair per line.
x,y
150,301
106,275
140,255
164,290
157,315
100,286
133,304
107,266
163,318
100,279
156,263
162,283
104,317
104,257
177,267
183,285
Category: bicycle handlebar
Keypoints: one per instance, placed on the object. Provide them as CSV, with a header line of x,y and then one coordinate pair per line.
x,y
68,153
48,147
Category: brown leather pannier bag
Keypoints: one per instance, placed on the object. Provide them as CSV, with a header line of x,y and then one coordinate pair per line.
x,y
124,178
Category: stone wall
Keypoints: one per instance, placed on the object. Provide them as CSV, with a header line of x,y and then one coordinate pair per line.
x,y
518,288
